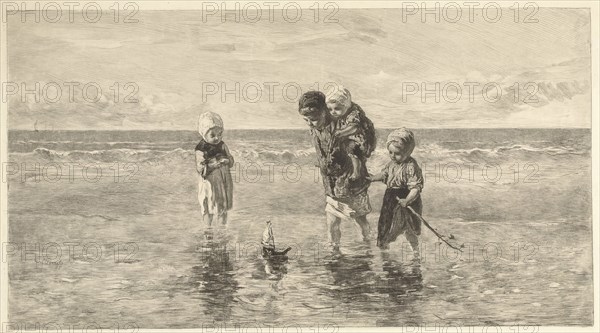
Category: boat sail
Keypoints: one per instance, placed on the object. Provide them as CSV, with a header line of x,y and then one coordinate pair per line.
x,y
268,243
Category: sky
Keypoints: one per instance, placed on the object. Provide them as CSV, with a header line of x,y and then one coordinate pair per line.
x,y
178,66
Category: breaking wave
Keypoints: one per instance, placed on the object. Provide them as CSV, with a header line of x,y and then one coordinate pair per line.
x,y
429,152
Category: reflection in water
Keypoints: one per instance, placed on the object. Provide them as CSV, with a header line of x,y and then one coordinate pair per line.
x,y
365,284
352,279
268,295
272,268
401,280
361,280
403,283
214,279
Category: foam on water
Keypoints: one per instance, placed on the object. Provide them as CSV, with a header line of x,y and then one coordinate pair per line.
x,y
287,154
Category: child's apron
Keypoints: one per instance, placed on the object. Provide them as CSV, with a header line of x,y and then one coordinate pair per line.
x,y
394,220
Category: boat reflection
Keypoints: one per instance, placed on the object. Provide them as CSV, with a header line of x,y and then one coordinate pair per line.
x,y
359,280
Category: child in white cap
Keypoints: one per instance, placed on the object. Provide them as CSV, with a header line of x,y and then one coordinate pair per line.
x,y
404,180
352,127
213,160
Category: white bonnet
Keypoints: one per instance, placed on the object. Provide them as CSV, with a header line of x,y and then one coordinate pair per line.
x,y
208,120
340,95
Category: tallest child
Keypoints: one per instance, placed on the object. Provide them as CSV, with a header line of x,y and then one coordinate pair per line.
x,y
347,196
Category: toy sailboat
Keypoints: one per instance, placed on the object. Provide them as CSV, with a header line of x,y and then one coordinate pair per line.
x,y
268,243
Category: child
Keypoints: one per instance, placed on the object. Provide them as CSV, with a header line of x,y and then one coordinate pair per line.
x,y
353,127
213,160
404,181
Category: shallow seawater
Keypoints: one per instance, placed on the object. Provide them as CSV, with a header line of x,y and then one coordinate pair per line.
x,y
133,252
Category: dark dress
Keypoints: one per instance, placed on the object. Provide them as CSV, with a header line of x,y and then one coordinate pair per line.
x,y
215,187
212,151
336,167
394,219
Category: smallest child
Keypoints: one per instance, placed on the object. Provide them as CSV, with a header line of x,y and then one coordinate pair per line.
x,y
353,127
404,181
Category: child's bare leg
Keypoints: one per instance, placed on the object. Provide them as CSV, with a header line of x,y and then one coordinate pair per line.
x,y
207,219
414,243
365,227
355,167
223,218
333,229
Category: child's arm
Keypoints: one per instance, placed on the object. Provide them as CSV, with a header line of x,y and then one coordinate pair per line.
x,y
412,196
353,124
229,160
380,177
203,166
350,129
376,178
414,182
200,163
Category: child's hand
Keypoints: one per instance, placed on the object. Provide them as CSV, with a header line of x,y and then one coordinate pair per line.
x,y
224,161
336,136
373,178
402,202
213,164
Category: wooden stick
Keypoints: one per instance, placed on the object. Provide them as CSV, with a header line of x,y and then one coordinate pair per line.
x,y
431,228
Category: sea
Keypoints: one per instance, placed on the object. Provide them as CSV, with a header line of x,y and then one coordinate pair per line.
x,y
105,231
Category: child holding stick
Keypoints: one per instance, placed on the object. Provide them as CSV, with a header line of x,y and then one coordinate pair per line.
x,y
404,181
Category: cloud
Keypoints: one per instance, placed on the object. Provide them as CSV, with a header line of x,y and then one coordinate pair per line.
x,y
574,112
171,54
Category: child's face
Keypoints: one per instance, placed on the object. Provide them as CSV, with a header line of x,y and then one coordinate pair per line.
x,y
336,109
399,152
214,135
316,119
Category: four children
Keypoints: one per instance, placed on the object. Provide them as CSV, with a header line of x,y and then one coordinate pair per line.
x,y
356,135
